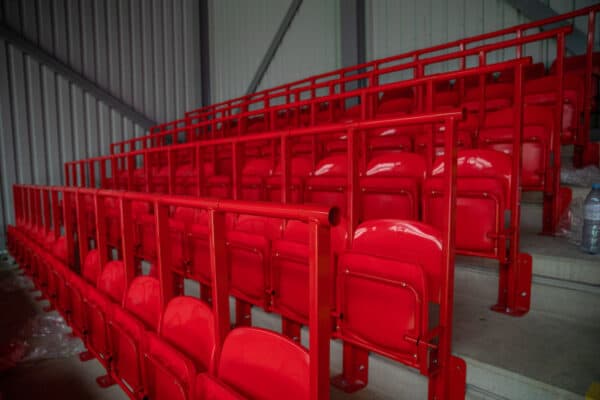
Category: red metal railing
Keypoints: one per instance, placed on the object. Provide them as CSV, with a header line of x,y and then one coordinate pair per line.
x,y
461,44
515,270
293,97
36,209
28,208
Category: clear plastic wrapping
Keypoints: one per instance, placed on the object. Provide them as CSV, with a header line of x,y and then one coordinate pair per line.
x,y
45,335
571,222
583,177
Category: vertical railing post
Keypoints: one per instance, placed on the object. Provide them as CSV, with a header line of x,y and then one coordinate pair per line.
x,y
319,320
68,224
286,170
589,156
352,186
130,160
127,222
101,241
56,212
47,210
235,170
92,173
82,237
449,381
82,174
165,273
170,172
102,173
220,278
114,172
551,216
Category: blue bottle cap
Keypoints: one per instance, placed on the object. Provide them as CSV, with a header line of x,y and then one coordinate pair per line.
x,y
595,186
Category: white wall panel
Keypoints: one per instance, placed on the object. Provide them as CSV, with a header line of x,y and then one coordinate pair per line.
x,y
395,27
241,32
310,46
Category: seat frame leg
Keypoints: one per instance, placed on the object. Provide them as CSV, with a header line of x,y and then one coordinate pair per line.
x,y
355,373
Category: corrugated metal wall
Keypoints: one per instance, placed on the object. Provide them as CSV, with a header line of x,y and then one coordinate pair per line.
x,y
241,33
142,52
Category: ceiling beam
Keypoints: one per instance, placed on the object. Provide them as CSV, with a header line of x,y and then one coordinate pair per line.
x,y
277,39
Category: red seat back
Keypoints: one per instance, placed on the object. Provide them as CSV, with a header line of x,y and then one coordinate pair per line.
x,y
244,366
391,186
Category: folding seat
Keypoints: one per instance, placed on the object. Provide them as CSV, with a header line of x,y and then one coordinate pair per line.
x,y
301,167
98,304
393,139
128,326
183,347
497,133
289,270
542,92
113,224
396,101
532,71
466,131
245,373
444,100
249,253
497,96
78,286
327,184
256,125
391,187
386,283
219,186
58,273
186,178
253,180
575,66
482,199
198,248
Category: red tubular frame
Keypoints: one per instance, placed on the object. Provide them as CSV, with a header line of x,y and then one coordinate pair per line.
x,y
447,373
514,291
417,65
319,219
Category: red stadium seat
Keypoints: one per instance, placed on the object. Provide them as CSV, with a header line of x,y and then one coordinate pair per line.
x,y
386,282
249,252
327,184
391,187
128,326
98,304
245,373
254,174
183,347
483,179
497,133
301,167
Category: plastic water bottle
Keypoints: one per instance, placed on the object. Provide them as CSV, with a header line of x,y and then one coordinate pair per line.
x,y
590,242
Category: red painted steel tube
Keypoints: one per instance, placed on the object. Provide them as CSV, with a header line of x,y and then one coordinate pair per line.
x,y
419,64
373,90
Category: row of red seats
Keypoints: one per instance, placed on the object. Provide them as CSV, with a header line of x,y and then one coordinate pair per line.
x,y
391,185
158,357
394,185
161,355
